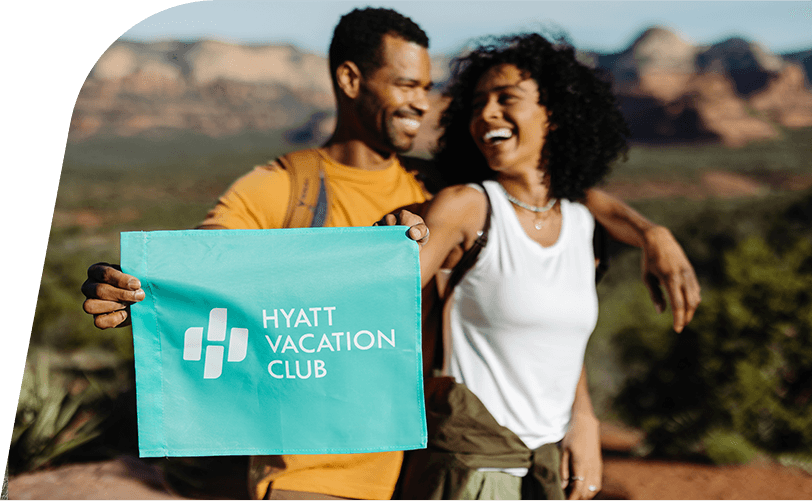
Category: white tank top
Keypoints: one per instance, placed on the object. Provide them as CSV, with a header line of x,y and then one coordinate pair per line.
x,y
521,319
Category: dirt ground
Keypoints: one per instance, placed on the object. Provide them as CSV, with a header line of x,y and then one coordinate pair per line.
x,y
625,477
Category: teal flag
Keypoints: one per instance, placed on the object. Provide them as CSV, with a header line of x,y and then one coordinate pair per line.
x,y
292,341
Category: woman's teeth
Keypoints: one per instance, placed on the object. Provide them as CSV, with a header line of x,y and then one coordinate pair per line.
x,y
497,135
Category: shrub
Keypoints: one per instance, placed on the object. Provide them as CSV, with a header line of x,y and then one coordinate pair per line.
x,y
743,366
725,447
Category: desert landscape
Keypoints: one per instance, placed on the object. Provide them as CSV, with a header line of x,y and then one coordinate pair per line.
x,y
721,155
625,477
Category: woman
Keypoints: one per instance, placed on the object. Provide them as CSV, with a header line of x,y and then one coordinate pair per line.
x,y
536,128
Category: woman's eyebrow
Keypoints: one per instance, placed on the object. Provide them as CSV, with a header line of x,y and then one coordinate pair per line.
x,y
478,93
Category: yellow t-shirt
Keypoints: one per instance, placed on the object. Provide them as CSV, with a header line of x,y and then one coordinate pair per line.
x,y
259,200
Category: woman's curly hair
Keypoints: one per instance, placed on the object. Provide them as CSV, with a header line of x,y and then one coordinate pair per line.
x,y
587,132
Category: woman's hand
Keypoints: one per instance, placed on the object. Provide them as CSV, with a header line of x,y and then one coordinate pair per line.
x,y
581,462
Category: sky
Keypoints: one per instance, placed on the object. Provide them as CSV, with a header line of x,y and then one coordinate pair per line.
x,y
604,26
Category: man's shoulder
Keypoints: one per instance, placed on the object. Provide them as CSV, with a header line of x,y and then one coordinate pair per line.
x,y
262,181
306,162
290,164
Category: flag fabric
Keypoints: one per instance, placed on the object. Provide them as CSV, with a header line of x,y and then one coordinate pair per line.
x,y
290,341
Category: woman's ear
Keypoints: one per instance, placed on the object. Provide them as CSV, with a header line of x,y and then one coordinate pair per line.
x,y
348,79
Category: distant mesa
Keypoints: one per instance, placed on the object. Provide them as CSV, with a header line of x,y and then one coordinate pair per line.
x,y
669,89
733,92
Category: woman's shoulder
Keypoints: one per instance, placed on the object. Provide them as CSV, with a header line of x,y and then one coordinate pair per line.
x,y
461,196
463,206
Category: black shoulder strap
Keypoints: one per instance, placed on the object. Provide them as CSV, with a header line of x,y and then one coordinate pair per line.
x,y
600,245
441,338
468,259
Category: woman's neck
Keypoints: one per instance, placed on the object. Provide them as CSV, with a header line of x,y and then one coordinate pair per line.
x,y
532,188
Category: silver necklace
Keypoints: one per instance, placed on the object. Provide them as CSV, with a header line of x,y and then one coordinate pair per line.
x,y
532,208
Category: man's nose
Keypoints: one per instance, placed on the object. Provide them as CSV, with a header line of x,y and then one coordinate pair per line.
x,y
421,101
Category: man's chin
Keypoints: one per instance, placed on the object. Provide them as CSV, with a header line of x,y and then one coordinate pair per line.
x,y
403,145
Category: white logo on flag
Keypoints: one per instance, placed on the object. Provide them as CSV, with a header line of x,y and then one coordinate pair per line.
x,y
193,344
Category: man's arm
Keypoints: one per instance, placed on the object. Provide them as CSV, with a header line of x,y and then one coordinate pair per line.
x,y
664,262
581,462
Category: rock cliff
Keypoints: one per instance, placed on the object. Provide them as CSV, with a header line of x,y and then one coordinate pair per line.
x,y
669,90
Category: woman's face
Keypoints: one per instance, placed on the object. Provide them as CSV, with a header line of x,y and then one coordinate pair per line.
x,y
508,124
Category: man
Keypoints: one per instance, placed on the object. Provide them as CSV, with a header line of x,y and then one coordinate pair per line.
x,y
380,69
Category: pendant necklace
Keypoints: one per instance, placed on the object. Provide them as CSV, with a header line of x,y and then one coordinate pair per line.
x,y
532,208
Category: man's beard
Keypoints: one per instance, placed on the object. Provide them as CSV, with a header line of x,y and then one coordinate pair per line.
x,y
400,142
385,132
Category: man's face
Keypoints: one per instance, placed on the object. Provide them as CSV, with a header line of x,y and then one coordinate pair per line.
x,y
393,99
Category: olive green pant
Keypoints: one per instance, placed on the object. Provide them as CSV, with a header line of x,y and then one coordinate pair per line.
x,y
464,439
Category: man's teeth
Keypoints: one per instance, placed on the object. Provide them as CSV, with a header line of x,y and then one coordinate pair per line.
x,y
503,133
410,123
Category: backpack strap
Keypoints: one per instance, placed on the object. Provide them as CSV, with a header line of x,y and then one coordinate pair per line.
x,y
468,259
466,262
600,246
308,200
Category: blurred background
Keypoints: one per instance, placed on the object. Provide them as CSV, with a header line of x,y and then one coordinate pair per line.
x,y
719,102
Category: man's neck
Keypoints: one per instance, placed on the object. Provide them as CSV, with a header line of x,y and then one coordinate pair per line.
x,y
355,153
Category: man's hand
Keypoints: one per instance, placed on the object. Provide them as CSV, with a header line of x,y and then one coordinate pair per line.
x,y
418,231
581,462
109,294
665,264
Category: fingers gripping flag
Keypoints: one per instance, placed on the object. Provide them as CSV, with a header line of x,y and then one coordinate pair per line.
x,y
290,341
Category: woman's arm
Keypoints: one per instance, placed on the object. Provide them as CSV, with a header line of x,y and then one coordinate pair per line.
x,y
581,462
453,217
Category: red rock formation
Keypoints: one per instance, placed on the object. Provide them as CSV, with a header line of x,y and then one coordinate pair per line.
x,y
669,90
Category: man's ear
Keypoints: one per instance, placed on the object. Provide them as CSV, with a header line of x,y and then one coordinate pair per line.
x,y
348,78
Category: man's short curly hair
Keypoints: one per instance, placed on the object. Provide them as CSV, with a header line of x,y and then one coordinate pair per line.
x,y
587,134
357,37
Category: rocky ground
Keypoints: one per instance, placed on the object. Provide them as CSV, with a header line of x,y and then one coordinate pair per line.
x,y
625,477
